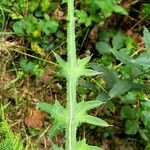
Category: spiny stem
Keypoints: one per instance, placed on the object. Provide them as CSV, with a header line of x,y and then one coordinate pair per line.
x,y
71,79
71,48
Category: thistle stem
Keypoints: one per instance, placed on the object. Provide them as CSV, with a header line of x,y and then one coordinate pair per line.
x,y
71,79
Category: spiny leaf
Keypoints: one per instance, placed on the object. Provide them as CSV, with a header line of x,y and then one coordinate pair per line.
x,y
57,126
45,107
89,105
81,145
90,72
57,112
82,116
63,64
94,120
80,68
60,61
84,61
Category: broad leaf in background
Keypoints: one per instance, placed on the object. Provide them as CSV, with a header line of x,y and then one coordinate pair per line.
x,y
143,60
128,112
145,117
123,56
121,87
146,38
103,48
109,76
131,127
118,41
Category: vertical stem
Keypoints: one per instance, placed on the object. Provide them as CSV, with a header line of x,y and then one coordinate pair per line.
x,y
71,79
71,48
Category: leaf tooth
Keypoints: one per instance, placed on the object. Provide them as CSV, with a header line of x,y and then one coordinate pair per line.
x,y
90,72
60,61
94,120
84,61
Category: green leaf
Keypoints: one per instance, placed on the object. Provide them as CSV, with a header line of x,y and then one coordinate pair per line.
x,y
146,105
63,64
144,133
129,98
81,145
131,127
120,10
103,48
109,76
145,117
122,56
143,60
129,113
85,106
45,4
18,27
82,116
94,121
80,68
57,112
146,38
121,87
60,61
118,41
90,72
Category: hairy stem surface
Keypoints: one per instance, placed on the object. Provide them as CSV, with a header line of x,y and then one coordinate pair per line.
x,y
71,79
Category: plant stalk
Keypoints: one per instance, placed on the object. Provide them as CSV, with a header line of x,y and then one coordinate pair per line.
x,y
71,79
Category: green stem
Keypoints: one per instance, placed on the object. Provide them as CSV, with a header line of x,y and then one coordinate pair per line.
x,y
71,79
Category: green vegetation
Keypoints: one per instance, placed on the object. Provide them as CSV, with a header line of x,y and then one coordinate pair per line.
x,y
98,93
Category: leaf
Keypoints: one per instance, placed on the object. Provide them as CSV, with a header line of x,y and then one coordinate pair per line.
x,y
82,116
122,56
121,87
120,10
63,65
85,106
146,38
18,27
80,68
109,76
56,126
128,113
145,117
118,41
57,112
90,72
103,48
60,61
45,4
143,60
34,119
129,98
94,120
81,145
131,127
